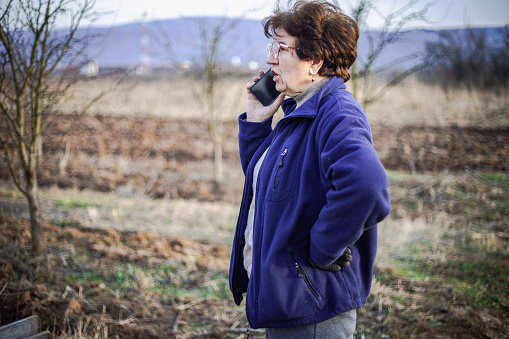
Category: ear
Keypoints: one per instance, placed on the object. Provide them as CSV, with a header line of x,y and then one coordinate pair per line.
x,y
315,66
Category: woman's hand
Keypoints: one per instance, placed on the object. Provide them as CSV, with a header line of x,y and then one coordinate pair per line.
x,y
342,261
255,110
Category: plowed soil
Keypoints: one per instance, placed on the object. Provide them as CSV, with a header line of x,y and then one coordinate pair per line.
x,y
173,158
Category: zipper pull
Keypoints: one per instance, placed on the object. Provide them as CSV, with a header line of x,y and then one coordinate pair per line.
x,y
301,275
282,157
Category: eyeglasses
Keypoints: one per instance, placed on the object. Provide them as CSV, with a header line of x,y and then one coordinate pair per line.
x,y
275,47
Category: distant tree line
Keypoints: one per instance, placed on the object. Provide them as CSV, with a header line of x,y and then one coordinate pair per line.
x,y
470,59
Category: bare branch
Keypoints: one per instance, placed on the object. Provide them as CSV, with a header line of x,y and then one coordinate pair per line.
x,y
31,51
208,73
395,21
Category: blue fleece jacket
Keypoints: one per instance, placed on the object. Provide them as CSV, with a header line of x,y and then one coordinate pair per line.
x,y
320,189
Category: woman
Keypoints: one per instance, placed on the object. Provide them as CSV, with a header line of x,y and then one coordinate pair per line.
x,y
315,188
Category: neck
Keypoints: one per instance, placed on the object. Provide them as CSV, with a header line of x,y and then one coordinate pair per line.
x,y
311,90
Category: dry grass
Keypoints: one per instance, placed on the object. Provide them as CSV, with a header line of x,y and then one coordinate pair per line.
x,y
410,102
441,260
191,219
440,269
441,264
100,283
175,97
414,103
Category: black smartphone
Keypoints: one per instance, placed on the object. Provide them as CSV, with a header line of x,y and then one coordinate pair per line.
x,y
265,88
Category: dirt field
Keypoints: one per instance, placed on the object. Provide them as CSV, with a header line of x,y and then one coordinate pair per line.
x,y
173,159
170,158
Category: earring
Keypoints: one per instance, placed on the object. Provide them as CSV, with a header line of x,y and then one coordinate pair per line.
x,y
312,79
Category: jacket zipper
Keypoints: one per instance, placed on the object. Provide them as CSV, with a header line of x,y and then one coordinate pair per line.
x,y
276,129
280,166
256,269
303,275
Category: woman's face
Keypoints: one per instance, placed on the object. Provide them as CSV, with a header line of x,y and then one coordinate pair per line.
x,y
291,74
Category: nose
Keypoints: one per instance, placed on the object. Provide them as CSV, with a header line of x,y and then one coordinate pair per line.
x,y
270,60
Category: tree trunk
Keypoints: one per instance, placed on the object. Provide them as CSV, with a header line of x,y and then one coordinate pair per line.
x,y
38,243
215,124
218,157
354,81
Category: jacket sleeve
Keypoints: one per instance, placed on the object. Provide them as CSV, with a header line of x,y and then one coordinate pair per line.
x,y
251,137
355,181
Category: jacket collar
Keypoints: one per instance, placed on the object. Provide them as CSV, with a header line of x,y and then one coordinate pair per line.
x,y
310,107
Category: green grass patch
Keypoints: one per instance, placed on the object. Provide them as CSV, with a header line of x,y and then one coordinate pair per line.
x,y
479,278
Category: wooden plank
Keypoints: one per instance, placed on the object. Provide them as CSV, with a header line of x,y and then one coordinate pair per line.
x,y
42,335
20,329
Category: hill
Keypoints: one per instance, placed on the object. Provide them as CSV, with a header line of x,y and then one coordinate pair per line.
x,y
121,45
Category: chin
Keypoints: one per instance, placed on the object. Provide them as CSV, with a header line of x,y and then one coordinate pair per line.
x,y
281,88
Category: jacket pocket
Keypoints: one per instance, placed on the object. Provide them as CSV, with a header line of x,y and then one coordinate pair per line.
x,y
281,296
302,275
279,168
282,174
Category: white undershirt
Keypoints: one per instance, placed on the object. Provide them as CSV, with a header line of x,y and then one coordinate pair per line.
x,y
248,248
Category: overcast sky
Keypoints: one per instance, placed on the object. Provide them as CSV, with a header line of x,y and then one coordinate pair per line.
x,y
478,13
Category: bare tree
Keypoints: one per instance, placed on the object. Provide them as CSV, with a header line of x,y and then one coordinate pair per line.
x,y
395,24
209,72
468,58
35,63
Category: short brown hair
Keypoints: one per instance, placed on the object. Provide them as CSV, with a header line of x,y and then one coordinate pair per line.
x,y
322,32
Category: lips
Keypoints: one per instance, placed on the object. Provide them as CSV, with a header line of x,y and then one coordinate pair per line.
x,y
275,77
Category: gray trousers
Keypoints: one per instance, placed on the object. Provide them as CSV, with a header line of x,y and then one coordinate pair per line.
x,y
339,327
